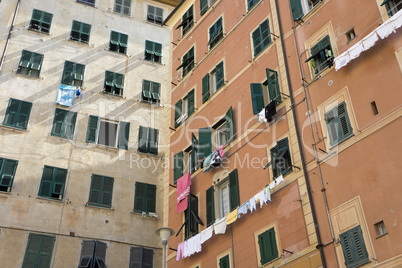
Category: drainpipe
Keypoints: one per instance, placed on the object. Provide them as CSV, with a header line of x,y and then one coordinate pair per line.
x,y
9,35
313,212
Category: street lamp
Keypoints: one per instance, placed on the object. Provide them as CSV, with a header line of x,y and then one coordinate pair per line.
x,y
164,233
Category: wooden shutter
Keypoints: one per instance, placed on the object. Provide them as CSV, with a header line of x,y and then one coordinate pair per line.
x,y
95,195
135,257
79,72
119,82
25,59
59,176
297,10
123,42
109,79
114,40
100,254
37,62
273,85
87,252
7,171
265,33
203,6
11,113
143,139
234,190
146,90
338,124
46,186
58,122
140,197
92,132
69,124
32,250
151,198
204,142
68,73
177,113
257,97
158,50
283,156
274,155
46,22
85,32
156,87
332,126
353,247
229,125
257,41
46,249
107,191
124,133
178,166
147,258
194,153
190,102
224,262
264,247
210,206
153,140
345,127
205,88
24,112
273,250
220,77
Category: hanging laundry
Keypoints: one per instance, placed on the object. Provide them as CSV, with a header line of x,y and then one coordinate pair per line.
x,y
220,150
279,180
207,163
232,216
355,50
370,40
263,198
243,209
251,205
193,245
220,226
261,116
78,92
206,234
270,111
267,192
385,29
183,190
212,161
312,63
342,60
180,251
272,185
65,95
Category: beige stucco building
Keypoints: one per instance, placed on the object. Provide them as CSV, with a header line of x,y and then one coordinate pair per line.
x,y
81,177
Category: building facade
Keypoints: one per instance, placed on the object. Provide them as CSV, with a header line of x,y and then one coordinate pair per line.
x,y
334,71
83,96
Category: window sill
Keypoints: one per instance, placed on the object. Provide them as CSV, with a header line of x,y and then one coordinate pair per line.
x,y
61,138
112,95
98,206
379,236
106,147
128,16
345,139
79,43
28,76
151,103
144,217
86,4
148,154
154,23
153,62
50,199
5,193
14,128
118,53
37,31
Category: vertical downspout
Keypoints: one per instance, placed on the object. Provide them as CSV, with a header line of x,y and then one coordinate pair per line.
x,y
313,212
9,35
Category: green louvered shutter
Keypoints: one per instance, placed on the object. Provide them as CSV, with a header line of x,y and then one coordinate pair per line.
x,y
37,62
203,6
92,128
12,112
178,166
109,79
297,10
69,124
46,182
46,249
224,262
220,76
32,250
156,91
264,247
25,59
136,257
345,128
338,124
332,126
147,258
190,102
274,154
24,112
353,247
257,41
58,122
114,40
143,139
124,133
85,32
234,190
59,181
140,197
272,248
68,73
7,171
107,192
79,73
153,141
87,252
229,125
46,22
194,153
265,33
123,43
205,88
146,90
284,154
210,206
177,113
95,193
151,198
257,97
273,86
204,142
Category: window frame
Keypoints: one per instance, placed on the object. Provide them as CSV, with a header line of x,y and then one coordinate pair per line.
x,y
122,7
151,95
282,149
191,219
64,123
40,22
392,8
113,85
33,65
153,16
260,35
152,53
87,2
213,81
267,252
7,174
76,78
352,242
145,254
215,33
118,42
205,5
318,61
100,202
16,115
188,62
92,251
53,183
300,10
148,140
148,194
342,134
187,21
80,32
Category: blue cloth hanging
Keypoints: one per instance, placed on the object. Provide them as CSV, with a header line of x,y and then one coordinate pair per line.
x,y
65,95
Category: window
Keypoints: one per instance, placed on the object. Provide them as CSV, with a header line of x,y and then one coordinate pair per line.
x,y
155,14
321,55
153,51
353,247
204,5
122,7
259,95
7,172
177,166
261,37
93,254
224,262
148,140
350,35
192,220
87,2
280,158
101,191
188,62
393,6
39,251
151,92
338,124
187,21
17,114
302,7
64,123
228,197
141,257
212,82
114,83
30,63
40,21
108,133
215,33
251,3
221,135
268,247
224,129
184,108
73,74
145,197
380,229
80,32
118,42
52,183
190,156
204,142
